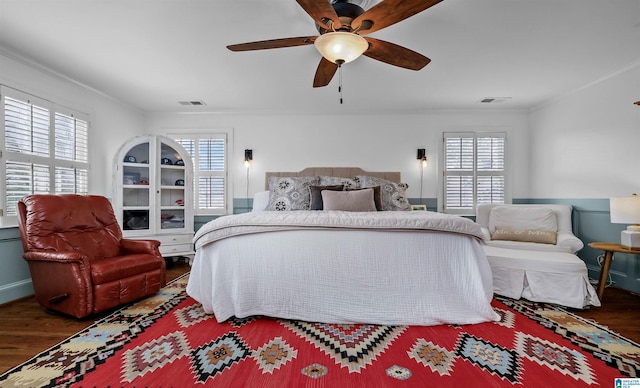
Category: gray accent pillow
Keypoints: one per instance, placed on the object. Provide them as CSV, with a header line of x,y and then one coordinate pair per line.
x,y
316,195
394,195
290,193
351,201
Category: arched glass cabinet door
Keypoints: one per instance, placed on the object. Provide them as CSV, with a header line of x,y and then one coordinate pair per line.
x,y
173,187
136,213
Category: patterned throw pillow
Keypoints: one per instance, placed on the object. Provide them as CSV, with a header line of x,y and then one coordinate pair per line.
x,y
542,236
394,195
290,193
349,184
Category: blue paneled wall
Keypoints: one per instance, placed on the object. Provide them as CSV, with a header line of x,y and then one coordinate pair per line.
x,y
591,223
15,281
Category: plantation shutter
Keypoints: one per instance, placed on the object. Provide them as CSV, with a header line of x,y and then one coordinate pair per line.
x,y
474,170
45,149
72,147
210,176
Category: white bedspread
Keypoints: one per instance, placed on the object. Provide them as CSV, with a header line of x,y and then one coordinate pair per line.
x,y
389,220
370,271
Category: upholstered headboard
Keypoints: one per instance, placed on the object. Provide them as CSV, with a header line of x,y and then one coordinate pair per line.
x,y
342,172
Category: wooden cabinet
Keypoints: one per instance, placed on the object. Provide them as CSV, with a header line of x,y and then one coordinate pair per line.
x,y
153,193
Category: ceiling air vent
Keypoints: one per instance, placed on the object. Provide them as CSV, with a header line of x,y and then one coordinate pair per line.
x,y
494,100
191,103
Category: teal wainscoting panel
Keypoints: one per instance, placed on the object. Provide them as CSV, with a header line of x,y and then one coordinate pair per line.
x,y
242,205
198,221
431,203
592,222
15,279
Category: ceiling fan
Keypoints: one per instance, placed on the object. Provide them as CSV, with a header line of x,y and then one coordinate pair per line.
x,y
341,25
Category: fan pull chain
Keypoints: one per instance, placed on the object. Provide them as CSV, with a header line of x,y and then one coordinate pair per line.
x,y
340,83
339,62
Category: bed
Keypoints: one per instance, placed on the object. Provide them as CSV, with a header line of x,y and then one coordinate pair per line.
x,y
378,266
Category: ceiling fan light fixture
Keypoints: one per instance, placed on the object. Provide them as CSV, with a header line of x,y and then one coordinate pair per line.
x,y
341,47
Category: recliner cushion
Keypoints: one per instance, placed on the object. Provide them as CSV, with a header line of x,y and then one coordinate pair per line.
x,y
120,267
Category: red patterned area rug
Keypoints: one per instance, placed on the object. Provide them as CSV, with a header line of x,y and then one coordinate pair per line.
x,y
168,341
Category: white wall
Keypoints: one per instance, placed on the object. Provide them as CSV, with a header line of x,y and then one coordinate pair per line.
x,y
111,122
586,144
380,143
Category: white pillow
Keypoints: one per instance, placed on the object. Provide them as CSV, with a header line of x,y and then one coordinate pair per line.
x,y
351,201
260,201
522,217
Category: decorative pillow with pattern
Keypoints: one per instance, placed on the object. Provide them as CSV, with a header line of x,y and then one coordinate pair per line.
x,y
290,193
394,195
349,184
542,236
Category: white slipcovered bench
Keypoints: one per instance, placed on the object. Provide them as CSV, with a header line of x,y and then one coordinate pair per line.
x,y
531,250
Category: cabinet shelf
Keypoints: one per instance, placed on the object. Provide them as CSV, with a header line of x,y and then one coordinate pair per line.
x,y
129,164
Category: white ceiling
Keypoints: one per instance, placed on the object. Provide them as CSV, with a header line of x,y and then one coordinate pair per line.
x,y
153,53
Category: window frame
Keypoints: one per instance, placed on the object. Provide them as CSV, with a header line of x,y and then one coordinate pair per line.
x,y
217,134
475,172
51,161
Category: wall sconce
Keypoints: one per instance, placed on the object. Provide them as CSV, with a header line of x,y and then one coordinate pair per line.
x,y
626,210
422,157
248,157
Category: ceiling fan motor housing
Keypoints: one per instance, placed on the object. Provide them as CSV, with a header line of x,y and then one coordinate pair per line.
x,y
346,12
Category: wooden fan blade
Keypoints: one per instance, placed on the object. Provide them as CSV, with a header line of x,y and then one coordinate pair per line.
x,y
273,43
395,55
389,12
325,72
321,11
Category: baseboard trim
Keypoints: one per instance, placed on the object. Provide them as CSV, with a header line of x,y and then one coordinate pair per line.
x,y
16,290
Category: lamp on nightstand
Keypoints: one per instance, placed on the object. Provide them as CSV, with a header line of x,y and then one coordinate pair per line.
x,y
626,210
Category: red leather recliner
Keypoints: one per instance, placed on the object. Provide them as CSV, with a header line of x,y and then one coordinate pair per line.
x,y
79,262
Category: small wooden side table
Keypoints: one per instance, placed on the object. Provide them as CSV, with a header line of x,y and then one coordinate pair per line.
x,y
609,249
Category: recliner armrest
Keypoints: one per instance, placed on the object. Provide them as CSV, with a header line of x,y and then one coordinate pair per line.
x,y
140,246
570,241
60,257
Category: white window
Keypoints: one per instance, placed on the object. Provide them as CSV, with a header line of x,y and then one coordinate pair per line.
x,y
45,149
474,170
209,153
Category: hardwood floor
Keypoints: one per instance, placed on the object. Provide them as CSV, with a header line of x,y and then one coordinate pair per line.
x,y
26,329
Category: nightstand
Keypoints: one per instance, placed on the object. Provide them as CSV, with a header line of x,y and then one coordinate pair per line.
x,y
609,249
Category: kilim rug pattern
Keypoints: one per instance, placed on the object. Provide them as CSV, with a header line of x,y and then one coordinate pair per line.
x,y
168,341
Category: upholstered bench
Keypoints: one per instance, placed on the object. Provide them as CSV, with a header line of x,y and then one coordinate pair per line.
x,y
531,250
